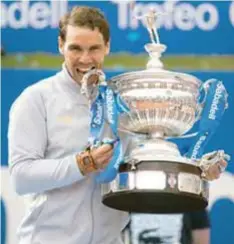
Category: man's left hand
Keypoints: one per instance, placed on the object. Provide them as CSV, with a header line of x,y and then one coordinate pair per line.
x,y
215,170
213,164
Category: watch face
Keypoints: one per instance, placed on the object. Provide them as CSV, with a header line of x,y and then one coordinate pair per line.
x,y
86,160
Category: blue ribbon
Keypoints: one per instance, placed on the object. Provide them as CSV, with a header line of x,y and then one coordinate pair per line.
x,y
214,107
108,105
110,172
97,117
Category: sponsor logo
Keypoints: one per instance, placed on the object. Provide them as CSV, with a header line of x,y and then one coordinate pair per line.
x,y
37,15
214,106
176,14
98,118
197,147
110,106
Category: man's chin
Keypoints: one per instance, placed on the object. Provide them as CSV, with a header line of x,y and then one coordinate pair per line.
x,y
78,78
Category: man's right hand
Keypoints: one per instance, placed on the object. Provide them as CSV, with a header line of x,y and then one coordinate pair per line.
x,y
95,160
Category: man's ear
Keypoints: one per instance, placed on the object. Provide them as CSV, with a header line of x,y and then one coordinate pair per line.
x,y
107,48
61,45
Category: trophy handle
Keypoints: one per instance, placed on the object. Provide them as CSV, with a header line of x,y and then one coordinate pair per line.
x,y
204,87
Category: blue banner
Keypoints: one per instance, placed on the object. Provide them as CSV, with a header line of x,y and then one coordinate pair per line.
x,y
214,107
187,27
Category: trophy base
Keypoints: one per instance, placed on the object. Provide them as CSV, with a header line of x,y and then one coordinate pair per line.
x,y
157,187
154,202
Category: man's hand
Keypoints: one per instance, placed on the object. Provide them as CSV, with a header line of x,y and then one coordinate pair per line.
x,y
215,170
102,155
213,164
95,160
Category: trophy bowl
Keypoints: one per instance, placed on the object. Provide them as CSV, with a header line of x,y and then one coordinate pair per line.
x,y
159,101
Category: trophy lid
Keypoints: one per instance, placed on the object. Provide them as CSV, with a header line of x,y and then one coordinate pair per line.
x,y
154,67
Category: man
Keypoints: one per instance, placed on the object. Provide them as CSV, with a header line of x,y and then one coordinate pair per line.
x,y
48,134
188,228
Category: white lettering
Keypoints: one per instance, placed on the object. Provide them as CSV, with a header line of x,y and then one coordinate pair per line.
x,y
38,15
167,19
197,147
21,8
211,11
3,15
214,106
231,13
98,119
184,16
55,6
122,14
109,105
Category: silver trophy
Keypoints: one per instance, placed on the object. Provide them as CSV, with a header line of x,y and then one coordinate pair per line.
x,y
155,178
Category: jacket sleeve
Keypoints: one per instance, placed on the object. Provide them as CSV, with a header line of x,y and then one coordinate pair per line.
x,y
27,143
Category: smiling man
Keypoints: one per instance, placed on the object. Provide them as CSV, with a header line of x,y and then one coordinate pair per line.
x,y
84,41
48,134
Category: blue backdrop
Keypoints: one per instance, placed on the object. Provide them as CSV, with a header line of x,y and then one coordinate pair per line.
x,y
200,27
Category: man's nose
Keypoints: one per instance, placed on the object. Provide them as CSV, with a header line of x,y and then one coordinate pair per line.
x,y
85,57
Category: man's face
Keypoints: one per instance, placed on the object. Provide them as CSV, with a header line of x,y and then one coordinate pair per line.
x,y
83,49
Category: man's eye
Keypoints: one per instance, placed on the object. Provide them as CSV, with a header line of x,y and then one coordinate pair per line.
x,y
94,48
75,49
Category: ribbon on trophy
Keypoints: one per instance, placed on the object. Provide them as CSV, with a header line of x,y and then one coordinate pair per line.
x,y
214,105
105,108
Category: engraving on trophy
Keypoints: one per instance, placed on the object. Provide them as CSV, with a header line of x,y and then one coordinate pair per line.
x,y
189,183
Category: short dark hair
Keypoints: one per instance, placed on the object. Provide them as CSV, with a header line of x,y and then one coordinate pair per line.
x,y
84,16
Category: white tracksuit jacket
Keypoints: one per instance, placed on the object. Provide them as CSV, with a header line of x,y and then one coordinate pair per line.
x,y
49,125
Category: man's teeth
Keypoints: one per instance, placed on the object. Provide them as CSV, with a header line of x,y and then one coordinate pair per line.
x,y
85,71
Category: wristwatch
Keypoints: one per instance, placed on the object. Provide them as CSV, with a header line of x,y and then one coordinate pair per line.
x,y
86,162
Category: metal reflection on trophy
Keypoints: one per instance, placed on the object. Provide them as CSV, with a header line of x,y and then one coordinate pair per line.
x,y
155,178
